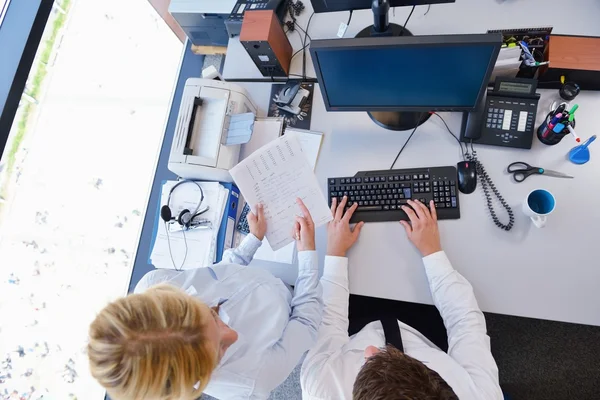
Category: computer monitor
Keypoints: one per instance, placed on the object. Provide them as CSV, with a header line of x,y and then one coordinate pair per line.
x,y
403,78
322,6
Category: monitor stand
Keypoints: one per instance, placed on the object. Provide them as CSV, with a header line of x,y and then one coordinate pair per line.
x,y
395,121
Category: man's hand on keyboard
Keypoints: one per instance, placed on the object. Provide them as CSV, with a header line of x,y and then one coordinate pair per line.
x,y
340,237
423,228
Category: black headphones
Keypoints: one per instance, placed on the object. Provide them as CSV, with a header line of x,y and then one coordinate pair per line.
x,y
185,217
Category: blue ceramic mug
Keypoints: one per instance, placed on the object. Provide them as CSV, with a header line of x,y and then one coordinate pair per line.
x,y
538,205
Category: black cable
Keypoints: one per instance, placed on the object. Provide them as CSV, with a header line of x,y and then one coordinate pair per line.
x,y
408,19
350,18
303,31
488,186
298,52
408,140
308,24
291,13
453,135
304,44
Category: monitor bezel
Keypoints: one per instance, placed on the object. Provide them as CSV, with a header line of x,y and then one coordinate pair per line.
x,y
492,39
320,6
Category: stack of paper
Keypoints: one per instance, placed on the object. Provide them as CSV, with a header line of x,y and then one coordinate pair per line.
x,y
265,131
195,248
275,175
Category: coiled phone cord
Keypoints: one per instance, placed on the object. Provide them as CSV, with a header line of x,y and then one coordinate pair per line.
x,y
488,185
486,182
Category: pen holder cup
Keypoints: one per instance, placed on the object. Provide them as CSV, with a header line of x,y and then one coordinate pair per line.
x,y
550,137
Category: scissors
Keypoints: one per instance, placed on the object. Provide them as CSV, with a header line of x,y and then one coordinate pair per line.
x,y
522,171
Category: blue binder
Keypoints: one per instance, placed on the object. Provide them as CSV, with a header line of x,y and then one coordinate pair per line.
x,y
227,228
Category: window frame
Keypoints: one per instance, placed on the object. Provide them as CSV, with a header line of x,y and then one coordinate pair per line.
x,y
21,31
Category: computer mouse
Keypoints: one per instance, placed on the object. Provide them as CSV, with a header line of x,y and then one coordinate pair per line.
x,y
467,176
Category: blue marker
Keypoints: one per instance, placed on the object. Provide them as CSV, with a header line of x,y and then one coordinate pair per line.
x,y
558,128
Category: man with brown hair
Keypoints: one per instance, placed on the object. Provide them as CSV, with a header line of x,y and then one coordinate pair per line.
x,y
391,374
411,366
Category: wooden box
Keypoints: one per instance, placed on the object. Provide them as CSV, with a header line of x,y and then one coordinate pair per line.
x,y
265,41
575,57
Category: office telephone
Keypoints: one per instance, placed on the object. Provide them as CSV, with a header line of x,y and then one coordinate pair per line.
x,y
505,116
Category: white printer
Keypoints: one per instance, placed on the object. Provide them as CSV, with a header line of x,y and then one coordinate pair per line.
x,y
198,150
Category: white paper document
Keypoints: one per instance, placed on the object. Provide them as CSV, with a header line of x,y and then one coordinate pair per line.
x,y
309,141
265,131
275,176
195,248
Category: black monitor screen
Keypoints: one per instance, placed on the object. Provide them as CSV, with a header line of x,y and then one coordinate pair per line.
x,y
411,77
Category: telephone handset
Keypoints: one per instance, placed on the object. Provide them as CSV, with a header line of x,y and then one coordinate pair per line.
x,y
505,115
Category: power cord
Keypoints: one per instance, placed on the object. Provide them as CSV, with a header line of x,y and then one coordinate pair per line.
x,y
408,140
408,19
453,135
486,183
298,51
305,45
294,10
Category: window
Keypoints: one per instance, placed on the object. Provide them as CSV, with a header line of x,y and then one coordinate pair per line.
x,y
75,173
3,8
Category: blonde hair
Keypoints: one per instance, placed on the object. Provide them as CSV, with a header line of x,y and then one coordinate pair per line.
x,y
153,346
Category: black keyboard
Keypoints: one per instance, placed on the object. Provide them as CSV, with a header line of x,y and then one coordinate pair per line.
x,y
381,194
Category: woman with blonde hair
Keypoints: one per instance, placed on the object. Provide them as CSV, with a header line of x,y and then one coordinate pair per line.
x,y
228,331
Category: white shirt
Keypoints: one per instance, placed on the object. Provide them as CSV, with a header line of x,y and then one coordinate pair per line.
x,y
274,328
332,365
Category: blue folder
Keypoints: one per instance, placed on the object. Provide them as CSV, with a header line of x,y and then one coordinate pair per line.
x,y
227,228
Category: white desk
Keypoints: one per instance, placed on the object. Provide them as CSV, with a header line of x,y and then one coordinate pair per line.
x,y
464,16
551,273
